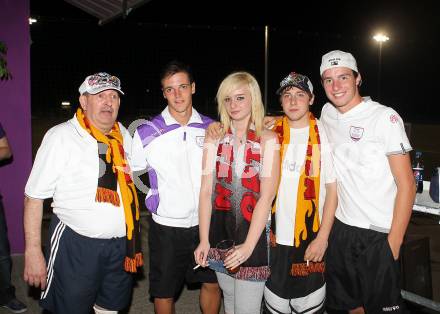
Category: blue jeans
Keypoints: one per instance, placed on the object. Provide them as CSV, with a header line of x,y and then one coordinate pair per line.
x,y
7,291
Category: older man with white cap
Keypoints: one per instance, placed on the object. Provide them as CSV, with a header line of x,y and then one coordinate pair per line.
x,y
93,237
376,191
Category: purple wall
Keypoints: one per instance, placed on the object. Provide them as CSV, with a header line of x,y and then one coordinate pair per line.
x,y
15,114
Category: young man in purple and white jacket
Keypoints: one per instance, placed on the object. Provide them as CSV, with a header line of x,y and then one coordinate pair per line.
x,y
170,148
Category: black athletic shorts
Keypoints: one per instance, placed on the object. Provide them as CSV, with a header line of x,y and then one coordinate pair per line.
x,y
83,271
361,271
172,260
305,294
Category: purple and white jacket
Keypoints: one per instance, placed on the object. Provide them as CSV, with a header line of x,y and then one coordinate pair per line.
x,y
172,155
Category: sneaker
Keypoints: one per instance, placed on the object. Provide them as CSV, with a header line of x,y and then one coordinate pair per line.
x,y
15,306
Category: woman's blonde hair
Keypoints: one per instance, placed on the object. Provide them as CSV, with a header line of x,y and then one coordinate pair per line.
x,y
232,82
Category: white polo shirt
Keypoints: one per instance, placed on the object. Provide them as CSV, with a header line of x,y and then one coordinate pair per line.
x,y
362,139
292,167
172,153
66,168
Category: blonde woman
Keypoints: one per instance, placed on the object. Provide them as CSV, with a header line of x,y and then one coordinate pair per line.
x,y
238,186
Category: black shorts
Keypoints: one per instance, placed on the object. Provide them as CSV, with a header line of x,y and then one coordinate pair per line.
x,y
83,271
282,283
361,271
172,260
305,294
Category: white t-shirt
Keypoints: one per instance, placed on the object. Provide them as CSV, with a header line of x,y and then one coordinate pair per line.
x,y
291,170
66,168
362,139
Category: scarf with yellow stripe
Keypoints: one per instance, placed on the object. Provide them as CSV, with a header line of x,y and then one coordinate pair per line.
x,y
306,224
117,171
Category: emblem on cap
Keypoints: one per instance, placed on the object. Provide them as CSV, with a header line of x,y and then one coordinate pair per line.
x,y
96,83
298,80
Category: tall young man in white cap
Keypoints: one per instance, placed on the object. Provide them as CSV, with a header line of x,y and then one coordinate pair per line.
x,y
93,242
303,213
170,147
376,192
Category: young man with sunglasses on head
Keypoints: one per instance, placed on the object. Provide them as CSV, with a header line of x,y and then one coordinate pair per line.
x,y
303,212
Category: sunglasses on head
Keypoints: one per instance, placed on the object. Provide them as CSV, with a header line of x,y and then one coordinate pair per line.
x,y
104,79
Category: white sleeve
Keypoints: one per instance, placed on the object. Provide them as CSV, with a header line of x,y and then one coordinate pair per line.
x,y
50,162
327,165
390,131
138,157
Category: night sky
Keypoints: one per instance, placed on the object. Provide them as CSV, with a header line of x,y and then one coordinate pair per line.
x,y
68,44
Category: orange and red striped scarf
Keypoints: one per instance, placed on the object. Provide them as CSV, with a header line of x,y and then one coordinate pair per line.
x,y
307,204
118,168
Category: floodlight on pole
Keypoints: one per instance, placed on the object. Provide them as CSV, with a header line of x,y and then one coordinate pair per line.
x,y
380,38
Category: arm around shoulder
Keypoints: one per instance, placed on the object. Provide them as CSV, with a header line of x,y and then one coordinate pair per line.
x,y
214,130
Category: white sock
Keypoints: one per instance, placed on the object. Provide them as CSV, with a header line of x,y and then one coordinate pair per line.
x,y
100,310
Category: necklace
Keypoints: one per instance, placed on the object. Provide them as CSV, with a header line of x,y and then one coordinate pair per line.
x,y
242,139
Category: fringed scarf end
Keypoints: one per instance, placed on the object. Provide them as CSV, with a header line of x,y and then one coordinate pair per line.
x,y
302,269
104,195
131,264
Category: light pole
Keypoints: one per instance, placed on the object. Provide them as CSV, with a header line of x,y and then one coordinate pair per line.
x,y
266,64
380,38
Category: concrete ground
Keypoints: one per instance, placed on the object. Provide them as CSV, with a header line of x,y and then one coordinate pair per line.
x,y
188,302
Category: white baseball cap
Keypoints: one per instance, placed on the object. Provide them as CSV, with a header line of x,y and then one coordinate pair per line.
x,y
338,58
96,83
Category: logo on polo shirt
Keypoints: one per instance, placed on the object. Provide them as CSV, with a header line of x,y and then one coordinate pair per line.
x,y
200,140
391,308
356,133
394,118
